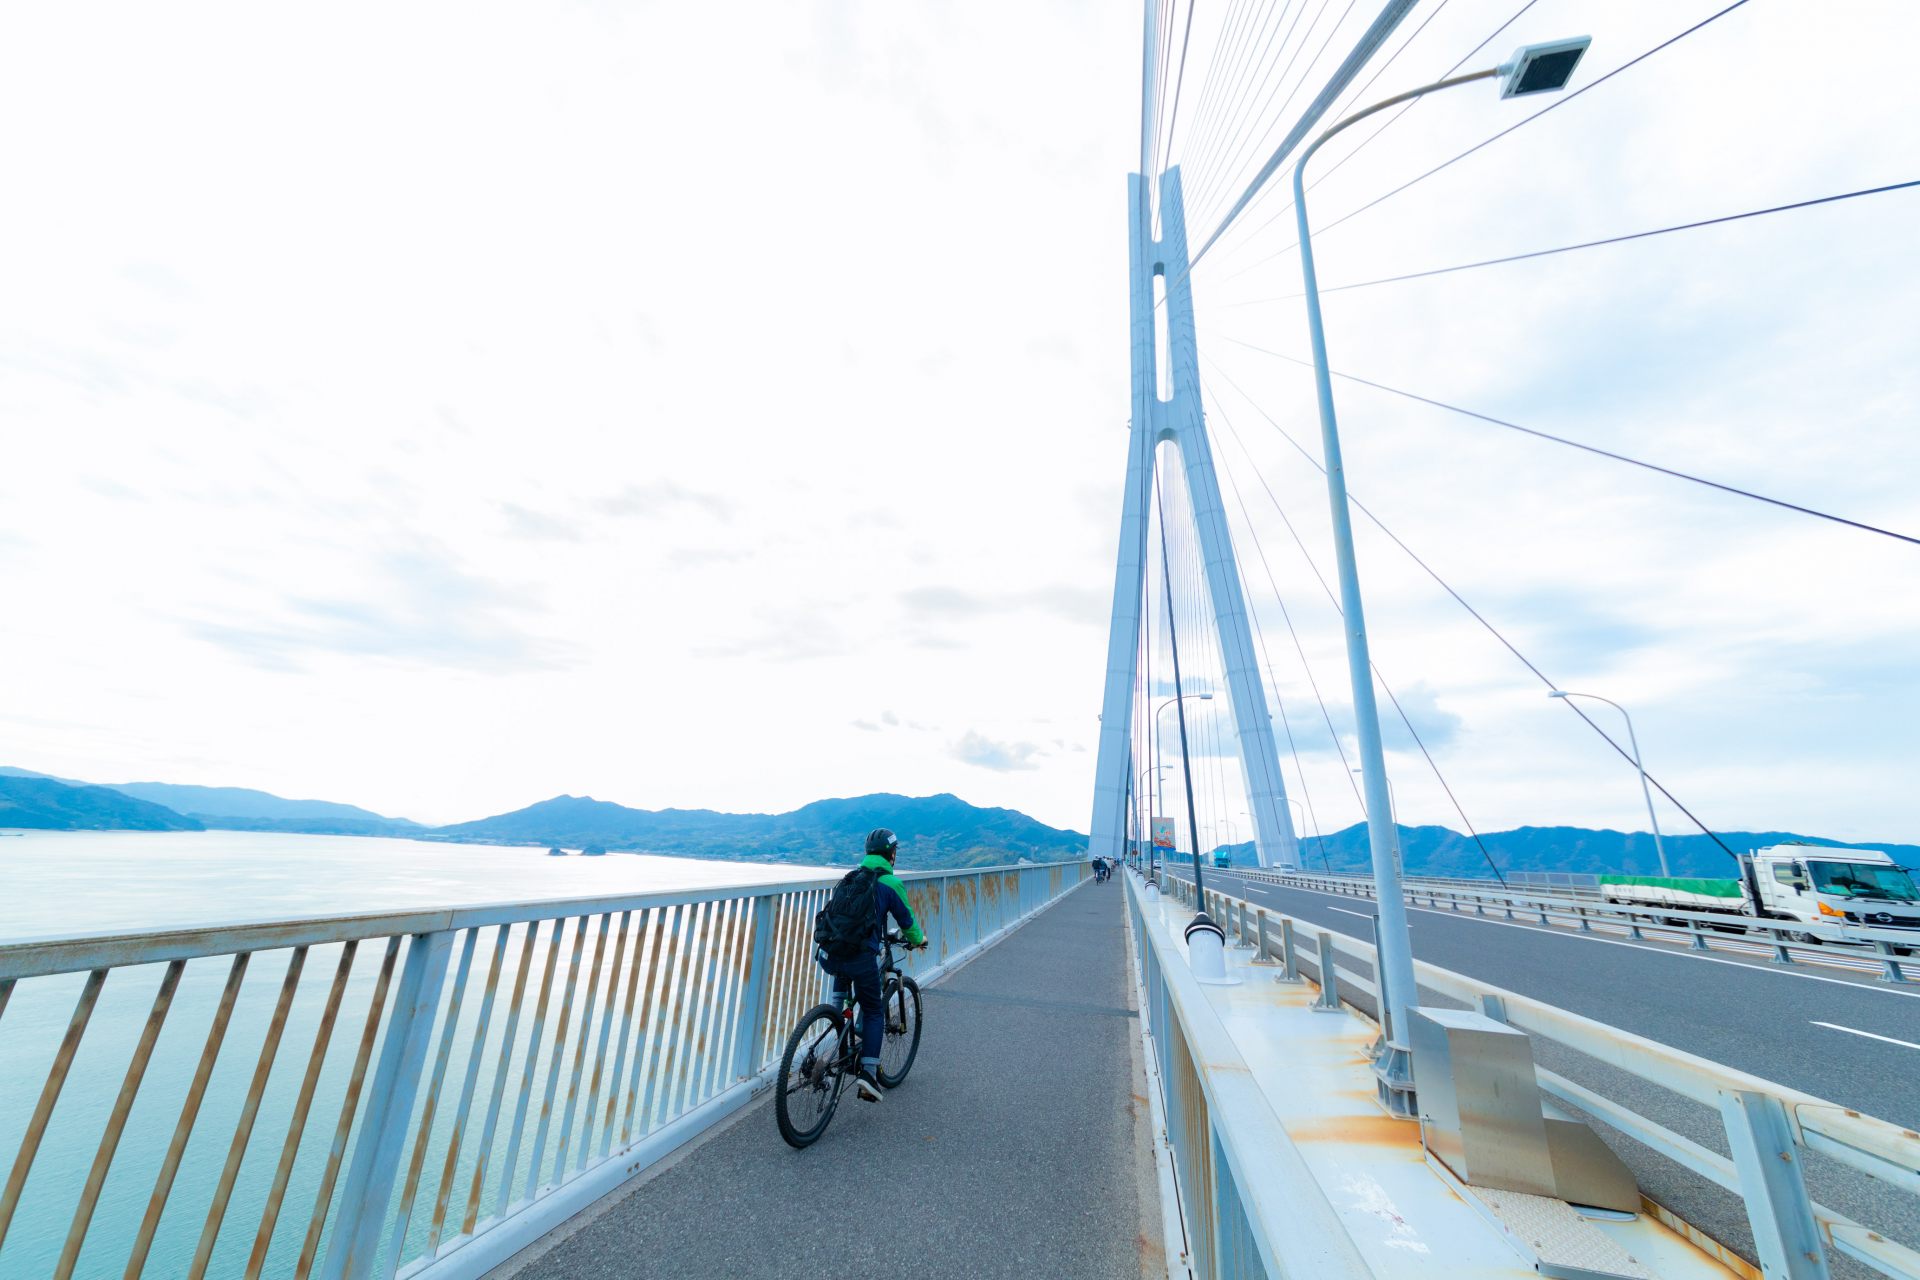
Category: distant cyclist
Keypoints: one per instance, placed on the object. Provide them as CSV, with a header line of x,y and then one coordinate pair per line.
x,y
847,936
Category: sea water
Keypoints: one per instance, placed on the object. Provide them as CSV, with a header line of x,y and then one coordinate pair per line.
x,y
78,883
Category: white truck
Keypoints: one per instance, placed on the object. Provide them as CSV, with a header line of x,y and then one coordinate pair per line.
x,y
1819,884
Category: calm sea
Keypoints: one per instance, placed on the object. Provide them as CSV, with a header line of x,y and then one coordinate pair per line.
x,y
59,883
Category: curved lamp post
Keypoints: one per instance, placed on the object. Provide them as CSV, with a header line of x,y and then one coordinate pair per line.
x,y
1540,68
1634,742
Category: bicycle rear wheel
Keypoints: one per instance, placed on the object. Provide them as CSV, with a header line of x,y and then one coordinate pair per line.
x,y
808,1087
902,1044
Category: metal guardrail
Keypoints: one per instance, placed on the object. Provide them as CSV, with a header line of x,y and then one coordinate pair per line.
x,y
1768,1127
1249,1204
1785,937
459,1124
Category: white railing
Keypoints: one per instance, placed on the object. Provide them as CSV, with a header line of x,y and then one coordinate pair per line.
x,y
1787,939
1247,1202
512,1063
1768,1127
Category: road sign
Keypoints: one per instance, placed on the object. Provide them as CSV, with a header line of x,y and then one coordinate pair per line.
x,y
1163,833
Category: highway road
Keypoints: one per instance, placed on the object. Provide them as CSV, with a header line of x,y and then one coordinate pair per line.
x,y
1840,1036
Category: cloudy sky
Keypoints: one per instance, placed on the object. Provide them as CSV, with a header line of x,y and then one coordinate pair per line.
x,y
443,407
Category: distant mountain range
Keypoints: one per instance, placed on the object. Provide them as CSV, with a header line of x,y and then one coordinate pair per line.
x,y
47,804
1442,851
935,831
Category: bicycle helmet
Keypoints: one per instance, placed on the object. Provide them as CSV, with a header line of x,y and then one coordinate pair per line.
x,y
883,842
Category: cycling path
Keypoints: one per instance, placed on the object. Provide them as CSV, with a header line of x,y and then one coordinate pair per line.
x,y
1014,1148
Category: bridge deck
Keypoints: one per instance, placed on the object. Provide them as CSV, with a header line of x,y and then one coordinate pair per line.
x,y
1016,1148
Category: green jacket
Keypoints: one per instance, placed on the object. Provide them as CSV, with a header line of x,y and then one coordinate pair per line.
x,y
890,899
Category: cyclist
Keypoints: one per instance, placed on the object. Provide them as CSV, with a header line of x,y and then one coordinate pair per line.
x,y
859,967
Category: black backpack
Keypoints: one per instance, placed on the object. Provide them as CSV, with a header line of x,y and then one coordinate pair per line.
x,y
843,927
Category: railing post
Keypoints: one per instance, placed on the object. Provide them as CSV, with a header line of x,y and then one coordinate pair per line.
x,y
355,1245
1699,940
1780,953
756,1000
1890,970
1785,1235
1329,1001
1241,944
1289,960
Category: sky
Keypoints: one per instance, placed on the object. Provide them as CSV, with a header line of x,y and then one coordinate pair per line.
x,y
443,408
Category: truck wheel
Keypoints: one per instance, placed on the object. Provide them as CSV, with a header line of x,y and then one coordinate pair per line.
x,y
1808,938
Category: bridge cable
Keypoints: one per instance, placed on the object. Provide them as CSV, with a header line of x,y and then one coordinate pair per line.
x,y
1594,244
1273,680
1590,448
1405,719
1233,161
1477,615
1228,44
1559,102
1328,172
1180,80
1228,128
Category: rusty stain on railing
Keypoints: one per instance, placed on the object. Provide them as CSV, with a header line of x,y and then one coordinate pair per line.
x,y
706,986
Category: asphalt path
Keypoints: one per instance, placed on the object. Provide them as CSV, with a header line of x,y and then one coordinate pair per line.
x,y
1016,1148
1847,1039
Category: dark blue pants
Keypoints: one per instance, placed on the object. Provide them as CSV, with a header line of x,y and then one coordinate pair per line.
x,y
862,973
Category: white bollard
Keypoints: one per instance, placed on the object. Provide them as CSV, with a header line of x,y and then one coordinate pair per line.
x,y
1207,952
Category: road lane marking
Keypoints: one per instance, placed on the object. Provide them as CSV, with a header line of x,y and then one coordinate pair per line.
x,y
1855,1031
1644,948
1343,911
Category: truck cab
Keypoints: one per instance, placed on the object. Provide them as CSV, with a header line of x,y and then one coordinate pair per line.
x,y
1825,885
1222,860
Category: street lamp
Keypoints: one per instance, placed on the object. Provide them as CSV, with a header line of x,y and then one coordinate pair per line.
x,y
1634,742
1204,697
1534,69
1151,809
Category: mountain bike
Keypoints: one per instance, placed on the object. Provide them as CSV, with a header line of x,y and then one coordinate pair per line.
x,y
822,1056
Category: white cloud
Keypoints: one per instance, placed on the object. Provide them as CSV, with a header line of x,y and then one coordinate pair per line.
x,y
594,413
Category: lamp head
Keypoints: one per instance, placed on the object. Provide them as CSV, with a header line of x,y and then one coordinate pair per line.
x,y
1541,68
1557,693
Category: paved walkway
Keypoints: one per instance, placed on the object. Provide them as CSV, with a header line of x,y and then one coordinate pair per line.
x,y
1016,1148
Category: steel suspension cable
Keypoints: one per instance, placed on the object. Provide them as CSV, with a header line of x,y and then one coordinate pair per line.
x,y
1232,161
1399,710
1589,448
1258,70
1559,102
1326,173
1477,615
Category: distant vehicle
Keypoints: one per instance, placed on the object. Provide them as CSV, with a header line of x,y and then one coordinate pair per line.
x,y
1222,860
1814,883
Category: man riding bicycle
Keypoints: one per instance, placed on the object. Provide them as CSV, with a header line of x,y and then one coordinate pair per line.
x,y
853,957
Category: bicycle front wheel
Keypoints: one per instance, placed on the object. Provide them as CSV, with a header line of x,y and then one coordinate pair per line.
x,y
808,1087
902,1044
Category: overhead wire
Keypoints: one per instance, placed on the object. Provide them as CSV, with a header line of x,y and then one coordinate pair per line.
x,y
1327,172
1477,615
1620,239
1590,448
1240,103
1232,161
1399,710
1555,105
1227,46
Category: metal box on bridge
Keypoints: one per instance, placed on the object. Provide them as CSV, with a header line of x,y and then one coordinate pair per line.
x,y
1483,1116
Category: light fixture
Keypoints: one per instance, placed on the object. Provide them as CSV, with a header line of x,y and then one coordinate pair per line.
x,y
1541,68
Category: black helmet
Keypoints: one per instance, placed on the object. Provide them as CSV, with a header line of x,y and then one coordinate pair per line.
x,y
883,842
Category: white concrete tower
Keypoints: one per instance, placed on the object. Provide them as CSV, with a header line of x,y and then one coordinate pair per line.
x,y
1178,418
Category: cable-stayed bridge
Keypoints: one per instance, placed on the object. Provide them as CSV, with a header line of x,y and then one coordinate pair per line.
x,y
1195,1072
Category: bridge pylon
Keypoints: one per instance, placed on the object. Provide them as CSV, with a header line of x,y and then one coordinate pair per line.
x,y
1176,417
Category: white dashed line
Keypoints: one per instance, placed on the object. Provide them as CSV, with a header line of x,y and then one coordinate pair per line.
x,y
1855,1031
